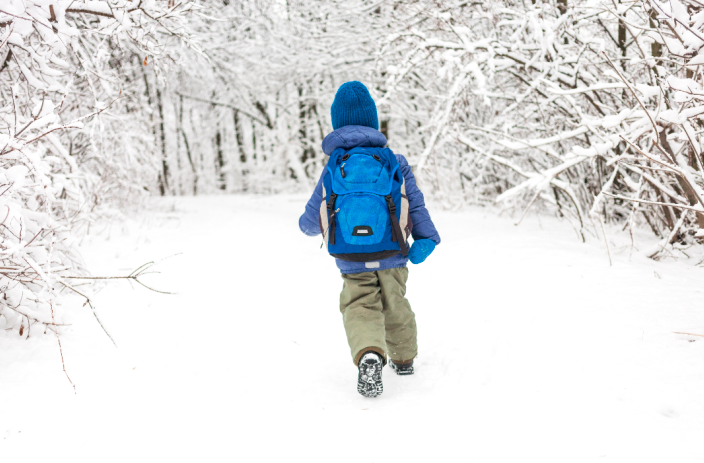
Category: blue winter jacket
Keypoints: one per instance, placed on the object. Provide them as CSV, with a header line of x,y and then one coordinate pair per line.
x,y
351,136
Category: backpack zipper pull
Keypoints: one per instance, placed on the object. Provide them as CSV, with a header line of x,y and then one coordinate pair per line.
x,y
342,170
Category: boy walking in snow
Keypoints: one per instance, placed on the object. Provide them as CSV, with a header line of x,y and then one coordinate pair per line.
x,y
366,205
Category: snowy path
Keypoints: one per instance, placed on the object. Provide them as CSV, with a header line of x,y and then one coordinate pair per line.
x,y
531,349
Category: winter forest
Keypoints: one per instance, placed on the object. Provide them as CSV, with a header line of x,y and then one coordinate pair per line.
x,y
590,112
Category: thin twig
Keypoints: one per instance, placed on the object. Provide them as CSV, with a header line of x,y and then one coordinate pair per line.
x,y
606,241
134,275
689,334
226,105
525,211
655,129
667,166
655,203
95,314
53,318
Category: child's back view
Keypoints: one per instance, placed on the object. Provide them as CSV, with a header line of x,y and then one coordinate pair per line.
x,y
366,205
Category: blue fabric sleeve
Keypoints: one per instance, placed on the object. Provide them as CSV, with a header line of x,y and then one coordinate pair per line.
x,y
423,227
308,223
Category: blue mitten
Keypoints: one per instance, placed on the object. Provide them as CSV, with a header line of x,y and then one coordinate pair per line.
x,y
420,250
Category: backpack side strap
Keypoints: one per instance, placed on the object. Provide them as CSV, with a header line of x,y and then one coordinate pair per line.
x,y
396,227
331,218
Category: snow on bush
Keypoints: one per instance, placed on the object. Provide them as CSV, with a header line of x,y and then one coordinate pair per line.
x,y
592,107
64,155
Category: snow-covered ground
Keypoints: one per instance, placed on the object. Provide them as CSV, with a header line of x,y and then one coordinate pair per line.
x,y
532,348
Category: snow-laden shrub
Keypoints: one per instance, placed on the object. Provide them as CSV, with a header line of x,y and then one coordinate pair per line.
x,y
589,107
37,245
72,133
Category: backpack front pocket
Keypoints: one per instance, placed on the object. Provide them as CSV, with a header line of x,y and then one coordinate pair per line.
x,y
363,218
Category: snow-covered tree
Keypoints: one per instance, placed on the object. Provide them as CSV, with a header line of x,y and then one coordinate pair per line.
x,y
251,117
72,142
588,106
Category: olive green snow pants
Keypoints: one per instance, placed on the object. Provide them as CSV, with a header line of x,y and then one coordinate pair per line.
x,y
377,315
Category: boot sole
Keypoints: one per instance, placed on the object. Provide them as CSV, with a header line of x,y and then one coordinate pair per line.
x,y
369,380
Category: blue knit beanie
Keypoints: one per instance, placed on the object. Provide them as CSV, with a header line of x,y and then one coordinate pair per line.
x,y
353,105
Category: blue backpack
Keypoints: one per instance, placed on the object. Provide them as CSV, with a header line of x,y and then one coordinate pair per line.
x,y
364,214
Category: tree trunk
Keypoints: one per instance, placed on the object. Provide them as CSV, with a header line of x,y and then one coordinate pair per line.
x,y
164,176
384,128
655,47
240,148
303,110
188,147
254,142
622,41
220,161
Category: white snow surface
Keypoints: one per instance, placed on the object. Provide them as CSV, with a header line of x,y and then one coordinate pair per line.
x,y
532,348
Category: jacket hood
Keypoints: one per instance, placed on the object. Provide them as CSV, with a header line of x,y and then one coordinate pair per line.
x,y
352,136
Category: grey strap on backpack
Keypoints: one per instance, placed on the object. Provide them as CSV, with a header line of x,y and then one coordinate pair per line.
x,y
396,227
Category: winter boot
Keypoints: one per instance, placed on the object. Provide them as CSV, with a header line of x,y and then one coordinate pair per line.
x,y
402,369
369,379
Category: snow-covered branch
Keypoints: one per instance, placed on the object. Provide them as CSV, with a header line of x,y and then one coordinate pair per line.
x,y
575,106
